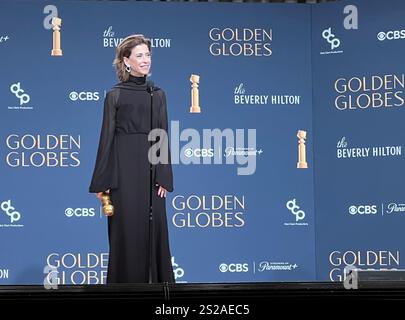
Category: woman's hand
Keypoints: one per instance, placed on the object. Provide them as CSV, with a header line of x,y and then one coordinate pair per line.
x,y
162,192
99,194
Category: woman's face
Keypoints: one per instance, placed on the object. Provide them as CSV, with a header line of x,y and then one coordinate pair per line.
x,y
139,60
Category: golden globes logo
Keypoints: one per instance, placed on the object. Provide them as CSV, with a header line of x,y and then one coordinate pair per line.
x,y
241,42
76,268
56,23
213,211
362,260
43,151
376,92
195,94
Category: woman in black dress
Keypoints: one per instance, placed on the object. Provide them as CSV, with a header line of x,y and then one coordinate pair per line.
x,y
122,168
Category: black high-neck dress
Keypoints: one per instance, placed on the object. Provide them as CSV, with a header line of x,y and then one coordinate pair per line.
x,y
122,166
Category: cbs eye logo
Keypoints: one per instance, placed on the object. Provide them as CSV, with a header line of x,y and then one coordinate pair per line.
x,y
234,267
363,209
84,96
198,152
80,212
391,35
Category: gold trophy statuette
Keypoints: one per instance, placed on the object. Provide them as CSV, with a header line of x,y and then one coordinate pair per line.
x,y
108,208
195,107
56,22
302,158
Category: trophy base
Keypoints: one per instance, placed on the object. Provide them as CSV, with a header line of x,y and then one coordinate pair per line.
x,y
108,210
302,165
195,109
56,52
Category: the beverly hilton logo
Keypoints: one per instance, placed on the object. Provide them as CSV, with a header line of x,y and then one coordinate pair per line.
x,y
195,94
346,151
56,51
111,39
242,95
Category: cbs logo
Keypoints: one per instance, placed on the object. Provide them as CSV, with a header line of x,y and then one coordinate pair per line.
x,y
199,152
80,212
363,209
234,267
391,35
84,96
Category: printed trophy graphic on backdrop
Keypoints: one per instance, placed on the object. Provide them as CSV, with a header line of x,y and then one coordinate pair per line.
x,y
56,51
195,100
302,157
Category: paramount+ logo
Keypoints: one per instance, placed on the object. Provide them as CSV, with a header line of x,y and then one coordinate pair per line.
x,y
363,209
234,267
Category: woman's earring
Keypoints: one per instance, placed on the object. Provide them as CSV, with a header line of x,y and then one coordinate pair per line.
x,y
127,68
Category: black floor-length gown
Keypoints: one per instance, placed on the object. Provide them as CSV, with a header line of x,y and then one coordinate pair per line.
x,y
122,166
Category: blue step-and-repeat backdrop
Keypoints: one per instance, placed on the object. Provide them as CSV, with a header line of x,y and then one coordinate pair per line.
x,y
293,169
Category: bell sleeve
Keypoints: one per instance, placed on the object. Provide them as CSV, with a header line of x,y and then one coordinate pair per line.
x,y
105,174
163,171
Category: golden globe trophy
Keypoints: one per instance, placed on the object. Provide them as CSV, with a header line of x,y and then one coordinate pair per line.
x,y
56,22
302,158
195,107
108,208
